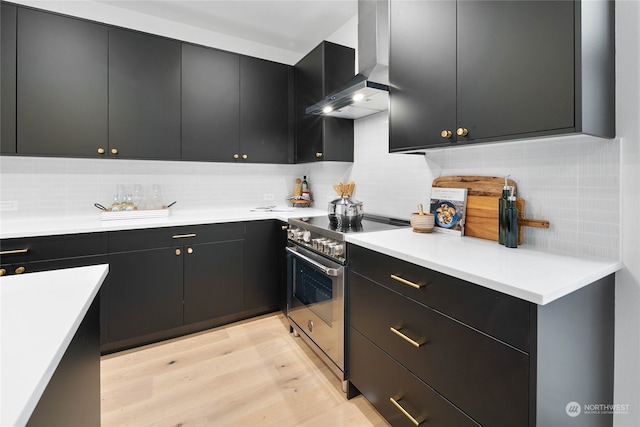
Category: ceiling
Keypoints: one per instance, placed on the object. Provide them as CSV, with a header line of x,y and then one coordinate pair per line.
x,y
293,25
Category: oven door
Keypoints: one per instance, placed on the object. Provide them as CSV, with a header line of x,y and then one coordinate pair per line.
x,y
316,302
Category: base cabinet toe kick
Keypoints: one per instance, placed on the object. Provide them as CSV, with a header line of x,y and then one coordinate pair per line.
x,y
453,353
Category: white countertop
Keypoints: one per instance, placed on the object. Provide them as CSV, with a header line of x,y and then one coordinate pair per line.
x,y
524,272
58,225
40,315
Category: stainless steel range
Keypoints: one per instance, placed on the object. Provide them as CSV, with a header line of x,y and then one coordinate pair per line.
x,y
317,275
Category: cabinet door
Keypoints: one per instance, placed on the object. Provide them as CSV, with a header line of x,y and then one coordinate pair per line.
x,y
422,73
213,280
266,125
144,96
62,85
265,252
210,104
309,90
8,79
379,378
322,71
515,67
144,292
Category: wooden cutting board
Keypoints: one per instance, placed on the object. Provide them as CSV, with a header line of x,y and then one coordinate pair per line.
x,y
482,205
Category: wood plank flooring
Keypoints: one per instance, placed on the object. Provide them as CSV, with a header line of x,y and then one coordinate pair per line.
x,y
250,373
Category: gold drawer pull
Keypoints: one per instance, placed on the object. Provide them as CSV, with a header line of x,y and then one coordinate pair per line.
x,y
20,270
183,236
14,252
414,343
406,282
415,421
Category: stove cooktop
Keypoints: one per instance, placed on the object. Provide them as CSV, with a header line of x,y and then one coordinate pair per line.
x,y
322,225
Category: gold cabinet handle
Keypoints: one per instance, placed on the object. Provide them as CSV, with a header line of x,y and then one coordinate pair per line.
x,y
178,251
406,282
100,150
183,236
446,134
414,343
14,252
2,272
285,227
20,270
114,151
236,156
462,131
415,421
318,155
245,157
189,250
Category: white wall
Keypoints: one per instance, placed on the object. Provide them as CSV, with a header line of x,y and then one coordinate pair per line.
x,y
627,352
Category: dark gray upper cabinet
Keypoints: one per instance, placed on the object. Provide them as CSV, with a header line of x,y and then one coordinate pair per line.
x,y
144,96
321,72
8,80
210,104
61,85
266,106
495,70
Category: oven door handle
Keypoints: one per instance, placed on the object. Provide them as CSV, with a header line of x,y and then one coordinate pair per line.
x,y
326,270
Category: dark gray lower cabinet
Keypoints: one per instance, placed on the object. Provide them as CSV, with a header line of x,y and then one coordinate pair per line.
x,y
214,275
167,282
72,396
499,362
144,293
264,251
380,379
31,254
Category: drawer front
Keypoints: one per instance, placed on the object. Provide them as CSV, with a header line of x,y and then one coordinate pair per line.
x,y
30,249
151,238
379,378
471,369
497,314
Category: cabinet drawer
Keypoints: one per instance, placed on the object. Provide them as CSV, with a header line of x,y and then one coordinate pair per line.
x,y
379,378
134,240
497,314
31,249
471,369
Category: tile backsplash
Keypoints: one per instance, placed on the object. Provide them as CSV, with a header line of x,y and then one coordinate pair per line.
x,y
573,181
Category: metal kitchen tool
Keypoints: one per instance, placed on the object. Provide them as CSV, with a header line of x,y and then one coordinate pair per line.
x,y
345,210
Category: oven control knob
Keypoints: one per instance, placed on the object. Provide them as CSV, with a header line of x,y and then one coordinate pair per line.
x,y
310,325
306,236
337,250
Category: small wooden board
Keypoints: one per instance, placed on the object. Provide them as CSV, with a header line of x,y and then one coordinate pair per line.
x,y
481,217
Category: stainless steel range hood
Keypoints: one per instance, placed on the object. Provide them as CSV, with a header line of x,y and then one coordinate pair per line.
x,y
368,92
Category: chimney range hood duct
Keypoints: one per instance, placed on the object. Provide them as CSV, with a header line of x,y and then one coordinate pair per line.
x,y
368,92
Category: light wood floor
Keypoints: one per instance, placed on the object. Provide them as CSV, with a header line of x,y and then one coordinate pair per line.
x,y
250,373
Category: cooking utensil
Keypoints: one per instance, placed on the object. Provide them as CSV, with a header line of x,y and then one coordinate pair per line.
x,y
481,217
